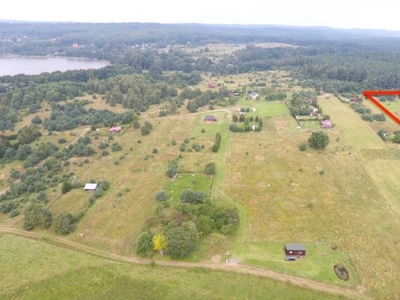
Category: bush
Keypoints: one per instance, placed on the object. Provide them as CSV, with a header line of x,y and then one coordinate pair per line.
x,y
173,142
105,153
210,169
367,117
172,168
341,272
162,196
302,147
189,196
144,130
144,245
155,150
65,223
103,146
116,147
66,187
319,140
62,141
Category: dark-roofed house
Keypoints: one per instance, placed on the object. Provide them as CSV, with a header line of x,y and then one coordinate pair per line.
x,y
210,119
296,250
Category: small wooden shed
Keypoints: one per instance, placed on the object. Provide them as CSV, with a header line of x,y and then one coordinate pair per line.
x,y
295,250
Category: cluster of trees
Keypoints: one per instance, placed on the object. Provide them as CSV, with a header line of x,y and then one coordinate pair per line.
x,y
242,119
179,239
71,115
209,97
217,142
300,103
65,222
276,96
132,91
366,113
246,126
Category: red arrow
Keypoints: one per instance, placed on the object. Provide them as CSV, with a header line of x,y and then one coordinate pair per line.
x,y
369,94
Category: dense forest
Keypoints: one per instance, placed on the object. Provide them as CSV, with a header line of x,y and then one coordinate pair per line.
x,y
148,66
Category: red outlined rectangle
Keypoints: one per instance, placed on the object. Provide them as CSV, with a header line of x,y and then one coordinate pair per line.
x,y
369,95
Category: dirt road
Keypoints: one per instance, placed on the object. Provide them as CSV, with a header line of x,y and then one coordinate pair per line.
x,y
242,269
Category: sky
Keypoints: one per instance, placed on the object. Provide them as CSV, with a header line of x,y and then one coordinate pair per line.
x,y
382,14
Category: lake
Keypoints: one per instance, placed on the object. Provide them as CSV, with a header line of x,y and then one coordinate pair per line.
x,y
37,65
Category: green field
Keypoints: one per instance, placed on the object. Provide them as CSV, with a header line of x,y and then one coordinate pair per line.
x,y
34,270
330,200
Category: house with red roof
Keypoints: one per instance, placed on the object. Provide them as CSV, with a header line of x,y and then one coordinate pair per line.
x,y
212,85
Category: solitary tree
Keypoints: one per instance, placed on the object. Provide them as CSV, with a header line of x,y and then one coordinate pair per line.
x,y
319,140
162,196
144,243
159,244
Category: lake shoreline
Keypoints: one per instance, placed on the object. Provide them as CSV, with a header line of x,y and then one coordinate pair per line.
x,y
55,56
11,65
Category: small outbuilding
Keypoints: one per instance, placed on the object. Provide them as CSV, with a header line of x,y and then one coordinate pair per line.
x,y
90,186
212,85
295,250
210,119
254,95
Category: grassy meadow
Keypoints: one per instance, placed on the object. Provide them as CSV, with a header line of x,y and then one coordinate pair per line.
x,y
342,203
48,272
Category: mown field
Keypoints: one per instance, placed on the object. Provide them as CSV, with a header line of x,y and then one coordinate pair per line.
x,y
47,272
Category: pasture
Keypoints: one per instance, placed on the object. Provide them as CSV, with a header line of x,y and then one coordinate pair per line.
x,y
35,270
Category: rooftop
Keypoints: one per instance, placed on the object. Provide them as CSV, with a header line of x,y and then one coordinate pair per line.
x,y
295,247
90,186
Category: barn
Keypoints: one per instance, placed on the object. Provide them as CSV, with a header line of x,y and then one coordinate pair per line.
x,y
296,250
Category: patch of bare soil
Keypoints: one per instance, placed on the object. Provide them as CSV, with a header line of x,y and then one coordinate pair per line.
x,y
216,259
260,157
261,184
3,176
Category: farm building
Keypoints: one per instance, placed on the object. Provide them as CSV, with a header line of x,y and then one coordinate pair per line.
x,y
115,129
210,119
326,124
254,95
355,99
297,250
212,85
90,186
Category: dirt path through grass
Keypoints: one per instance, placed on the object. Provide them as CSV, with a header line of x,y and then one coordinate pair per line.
x,y
242,269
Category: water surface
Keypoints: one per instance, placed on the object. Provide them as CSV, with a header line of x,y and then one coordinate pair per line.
x,y
37,65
